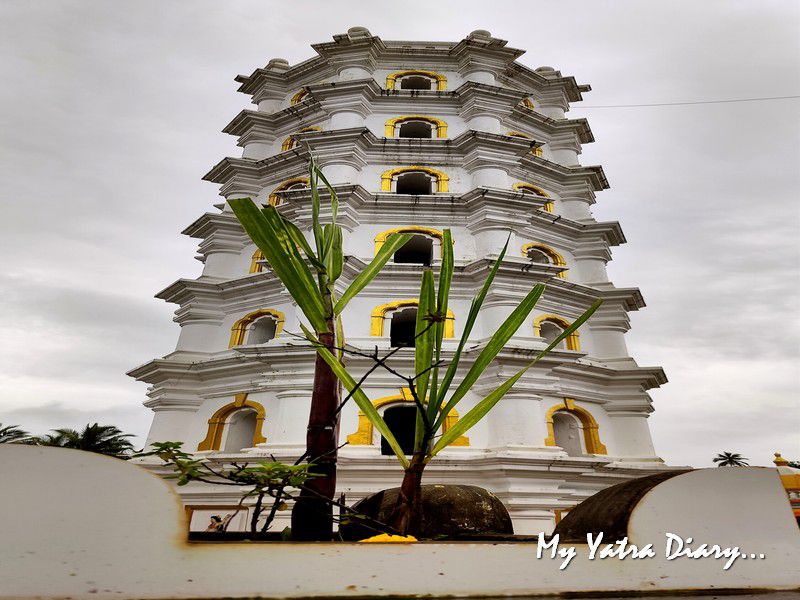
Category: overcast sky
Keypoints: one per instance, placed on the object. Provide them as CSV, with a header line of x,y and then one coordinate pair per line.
x,y
112,112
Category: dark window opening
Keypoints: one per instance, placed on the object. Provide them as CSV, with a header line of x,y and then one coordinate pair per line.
x,y
402,422
418,250
403,328
415,82
538,256
415,183
416,129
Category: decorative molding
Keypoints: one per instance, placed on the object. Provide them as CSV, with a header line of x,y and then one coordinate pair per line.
x,y
216,424
591,434
379,316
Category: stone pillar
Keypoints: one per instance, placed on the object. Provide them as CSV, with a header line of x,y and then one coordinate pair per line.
x,y
346,119
631,435
575,207
353,72
516,421
488,123
285,425
490,177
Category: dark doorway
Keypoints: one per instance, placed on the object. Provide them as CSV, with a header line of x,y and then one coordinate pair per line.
x,y
416,183
403,328
418,250
402,423
415,82
416,129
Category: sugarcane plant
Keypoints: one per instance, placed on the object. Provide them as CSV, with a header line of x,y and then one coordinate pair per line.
x,y
434,387
309,270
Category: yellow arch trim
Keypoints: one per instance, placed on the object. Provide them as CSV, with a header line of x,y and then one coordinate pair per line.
x,y
557,259
522,187
591,434
380,239
537,151
573,341
379,316
391,124
239,329
290,142
363,435
275,199
299,96
442,179
441,80
216,424
255,266
528,103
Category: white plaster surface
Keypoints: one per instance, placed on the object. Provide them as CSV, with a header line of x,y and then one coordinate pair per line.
x,y
80,525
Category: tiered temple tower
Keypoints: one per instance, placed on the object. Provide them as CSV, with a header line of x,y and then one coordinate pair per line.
x,y
416,137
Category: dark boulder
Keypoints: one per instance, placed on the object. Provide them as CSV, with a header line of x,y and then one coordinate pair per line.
x,y
448,511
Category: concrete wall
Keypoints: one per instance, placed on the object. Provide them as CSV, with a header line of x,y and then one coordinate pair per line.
x,y
80,525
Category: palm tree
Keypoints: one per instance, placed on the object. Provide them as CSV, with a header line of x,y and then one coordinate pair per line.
x,y
12,434
102,439
730,459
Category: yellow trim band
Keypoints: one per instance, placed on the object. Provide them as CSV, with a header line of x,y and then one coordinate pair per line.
x,y
529,187
290,142
274,199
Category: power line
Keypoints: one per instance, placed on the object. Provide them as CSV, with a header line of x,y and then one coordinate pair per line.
x,y
689,103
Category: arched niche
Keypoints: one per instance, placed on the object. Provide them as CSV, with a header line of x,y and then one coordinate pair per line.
x,y
393,125
529,188
364,435
572,341
291,141
396,80
295,183
226,417
553,257
242,327
380,313
589,429
390,177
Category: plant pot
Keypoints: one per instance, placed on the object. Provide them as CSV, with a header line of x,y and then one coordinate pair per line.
x,y
448,512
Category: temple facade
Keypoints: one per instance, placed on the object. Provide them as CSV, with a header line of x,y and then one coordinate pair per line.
x,y
415,137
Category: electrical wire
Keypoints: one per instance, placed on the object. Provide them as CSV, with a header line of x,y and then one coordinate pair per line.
x,y
689,103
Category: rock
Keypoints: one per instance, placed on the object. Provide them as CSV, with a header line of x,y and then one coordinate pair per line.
x,y
447,511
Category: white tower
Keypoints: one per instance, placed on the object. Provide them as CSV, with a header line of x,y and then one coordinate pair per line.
x,y
416,137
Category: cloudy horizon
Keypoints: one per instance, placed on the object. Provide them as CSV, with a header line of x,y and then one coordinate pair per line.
x,y
112,117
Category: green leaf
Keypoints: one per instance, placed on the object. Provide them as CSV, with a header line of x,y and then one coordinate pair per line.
x,y
495,344
424,335
472,316
358,395
300,240
315,226
480,410
390,246
331,191
292,271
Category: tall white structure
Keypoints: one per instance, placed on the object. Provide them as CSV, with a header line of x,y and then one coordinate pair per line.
x,y
416,137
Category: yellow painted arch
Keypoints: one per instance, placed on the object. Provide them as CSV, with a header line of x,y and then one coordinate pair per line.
x,y
442,179
290,141
528,103
537,151
573,341
363,435
591,433
441,80
391,125
534,189
380,239
379,313
239,328
255,265
216,424
554,256
299,96
275,199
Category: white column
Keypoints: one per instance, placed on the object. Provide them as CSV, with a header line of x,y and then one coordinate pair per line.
x,y
486,123
575,208
345,119
286,422
631,435
490,177
354,72
516,421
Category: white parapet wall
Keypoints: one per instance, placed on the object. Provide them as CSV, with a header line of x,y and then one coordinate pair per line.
x,y
79,525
